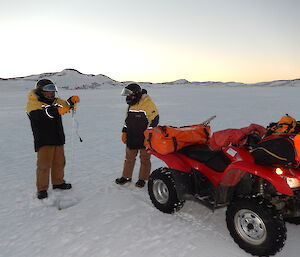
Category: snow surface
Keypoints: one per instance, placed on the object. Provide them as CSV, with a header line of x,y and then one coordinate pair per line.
x,y
108,219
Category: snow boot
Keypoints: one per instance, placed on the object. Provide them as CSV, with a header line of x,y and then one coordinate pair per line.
x,y
63,186
42,194
140,183
122,180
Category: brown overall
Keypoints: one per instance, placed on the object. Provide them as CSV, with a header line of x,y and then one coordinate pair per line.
x,y
129,162
50,159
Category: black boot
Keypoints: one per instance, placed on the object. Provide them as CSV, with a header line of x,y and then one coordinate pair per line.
x,y
140,183
63,186
42,194
122,180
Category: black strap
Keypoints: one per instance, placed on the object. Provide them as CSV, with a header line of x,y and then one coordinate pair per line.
x,y
175,143
206,134
289,126
164,130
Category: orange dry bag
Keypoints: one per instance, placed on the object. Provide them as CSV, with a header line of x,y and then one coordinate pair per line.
x,y
167,139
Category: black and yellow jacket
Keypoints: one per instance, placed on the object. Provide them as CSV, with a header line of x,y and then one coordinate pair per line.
x,y
139,117
46,123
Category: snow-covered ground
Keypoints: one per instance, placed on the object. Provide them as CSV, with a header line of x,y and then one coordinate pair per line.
x,y
108,219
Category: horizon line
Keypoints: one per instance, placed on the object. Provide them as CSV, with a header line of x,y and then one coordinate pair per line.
x,y
72,69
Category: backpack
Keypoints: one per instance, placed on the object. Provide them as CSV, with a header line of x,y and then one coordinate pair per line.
x,y
286,125
275,150
168,139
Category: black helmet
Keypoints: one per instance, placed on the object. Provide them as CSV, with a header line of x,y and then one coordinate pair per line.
x,y
45,85
133,93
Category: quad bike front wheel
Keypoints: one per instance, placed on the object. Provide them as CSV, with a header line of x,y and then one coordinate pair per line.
x,y
162,191
293,220
256,226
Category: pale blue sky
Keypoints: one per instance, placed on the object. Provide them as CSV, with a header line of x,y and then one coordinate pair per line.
x,y
157,41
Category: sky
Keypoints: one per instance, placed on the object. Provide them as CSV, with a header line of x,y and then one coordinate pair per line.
x,y
152,41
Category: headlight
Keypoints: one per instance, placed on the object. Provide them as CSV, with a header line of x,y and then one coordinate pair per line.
x,y
279,171
293,182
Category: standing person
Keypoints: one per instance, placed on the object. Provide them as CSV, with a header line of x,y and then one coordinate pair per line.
x,y
141,114
44,110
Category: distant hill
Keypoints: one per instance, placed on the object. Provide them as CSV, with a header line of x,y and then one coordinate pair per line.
x,y
73,79
68,78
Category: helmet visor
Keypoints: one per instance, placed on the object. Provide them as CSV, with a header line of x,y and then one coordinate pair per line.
x,y
126,92
50,88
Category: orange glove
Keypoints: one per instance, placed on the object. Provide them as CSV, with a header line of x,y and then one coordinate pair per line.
x,y
73,100
63,110
124,137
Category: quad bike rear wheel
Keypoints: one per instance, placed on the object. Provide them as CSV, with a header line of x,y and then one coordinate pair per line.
x,y
256,226
162,191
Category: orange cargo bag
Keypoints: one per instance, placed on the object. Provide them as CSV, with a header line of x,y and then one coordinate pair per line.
x,y
167,139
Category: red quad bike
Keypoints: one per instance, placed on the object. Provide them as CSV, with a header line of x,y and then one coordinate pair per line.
x,y
259,199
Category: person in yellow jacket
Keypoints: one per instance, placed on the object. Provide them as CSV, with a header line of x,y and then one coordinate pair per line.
x,y
141,114
44,110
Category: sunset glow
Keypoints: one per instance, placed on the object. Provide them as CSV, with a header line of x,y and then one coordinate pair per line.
x,y
158,41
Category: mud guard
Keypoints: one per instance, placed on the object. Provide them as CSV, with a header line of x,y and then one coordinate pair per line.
x,y
235,172
193,183
184,183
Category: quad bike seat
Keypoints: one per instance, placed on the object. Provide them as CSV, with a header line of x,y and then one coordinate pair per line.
x,y
214,159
